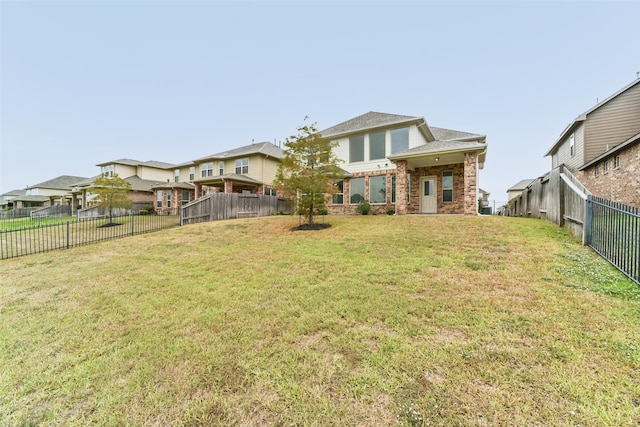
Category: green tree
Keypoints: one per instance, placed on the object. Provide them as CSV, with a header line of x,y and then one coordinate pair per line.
x,y
111,193
308,170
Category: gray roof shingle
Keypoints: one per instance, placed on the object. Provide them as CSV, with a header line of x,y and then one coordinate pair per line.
x,y
521,185
131,162
63,182
368,120
267,148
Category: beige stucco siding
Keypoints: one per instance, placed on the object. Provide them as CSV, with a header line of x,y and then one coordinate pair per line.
x,y
613,123
342,151
124,171
154,174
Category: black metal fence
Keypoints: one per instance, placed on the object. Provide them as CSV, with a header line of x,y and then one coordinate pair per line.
x,y
41,236
613,231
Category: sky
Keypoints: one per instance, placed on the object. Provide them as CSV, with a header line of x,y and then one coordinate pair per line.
x,y
87,82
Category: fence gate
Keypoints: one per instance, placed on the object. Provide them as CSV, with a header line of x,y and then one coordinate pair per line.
x,y
613,231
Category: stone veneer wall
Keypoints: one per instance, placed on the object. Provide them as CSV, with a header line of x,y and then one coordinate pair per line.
x,y
378,209
620,185
446,208
464,190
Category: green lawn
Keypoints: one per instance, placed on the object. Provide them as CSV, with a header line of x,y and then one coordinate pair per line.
x,y
378,320
27,223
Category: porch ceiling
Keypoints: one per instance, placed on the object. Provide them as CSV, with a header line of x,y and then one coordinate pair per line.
x,y
435,160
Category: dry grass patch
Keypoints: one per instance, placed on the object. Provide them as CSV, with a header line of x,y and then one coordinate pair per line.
x,y
376,320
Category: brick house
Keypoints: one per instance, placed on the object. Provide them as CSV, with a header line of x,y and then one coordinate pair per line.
x,y
249,169
56,191
140,174
401,163
602,147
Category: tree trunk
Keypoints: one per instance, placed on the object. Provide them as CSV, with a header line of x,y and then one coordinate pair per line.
x,y
311,214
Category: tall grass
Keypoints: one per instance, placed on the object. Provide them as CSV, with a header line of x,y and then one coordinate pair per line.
x,y
379,320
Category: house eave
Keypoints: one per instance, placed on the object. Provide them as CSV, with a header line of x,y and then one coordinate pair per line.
x,y
419,121
615,150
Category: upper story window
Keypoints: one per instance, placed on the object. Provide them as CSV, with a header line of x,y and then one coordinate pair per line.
x,y
447,186
377,146
192,173
399,140
176,175
597,170
616,162
242,166
107,171
206,169
572,145
606,166
356,149
220,168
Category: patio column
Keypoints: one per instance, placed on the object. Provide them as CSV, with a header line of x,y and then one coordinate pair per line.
x,y
74,203
470,184
198,191
228,186
401,187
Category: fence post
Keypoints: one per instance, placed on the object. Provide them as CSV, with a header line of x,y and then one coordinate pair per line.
x,y
132,224
586,231
181,210
68,235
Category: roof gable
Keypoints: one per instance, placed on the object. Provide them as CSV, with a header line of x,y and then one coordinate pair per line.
x,y
266,148
582,117
366,121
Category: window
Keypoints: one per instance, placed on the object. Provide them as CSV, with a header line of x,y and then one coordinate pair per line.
x,y
606,166
242,166
447,186
572,146
408,188
221,167
176,175
376,146
597,171
207,169
107,171
270,192
356,149
356,190
185,196
393,188
192,173
399,140
616,162
169,198
338,196
159,199
378,189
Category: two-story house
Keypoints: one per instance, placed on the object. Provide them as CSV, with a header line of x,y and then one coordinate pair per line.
x,y
401,163
141,175
249,169
602,147
56,191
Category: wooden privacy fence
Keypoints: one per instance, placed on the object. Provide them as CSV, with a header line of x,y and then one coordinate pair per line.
x,y
558,197
613,231
219,206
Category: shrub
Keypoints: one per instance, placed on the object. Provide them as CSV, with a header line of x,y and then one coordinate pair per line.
x,y
143,212
322,211
391,212
363,208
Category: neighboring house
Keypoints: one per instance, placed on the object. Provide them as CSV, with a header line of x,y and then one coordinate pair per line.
x,y
602,147
517,189
141,175
484,195
169,196
56,191
250,169
401,163
6,199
